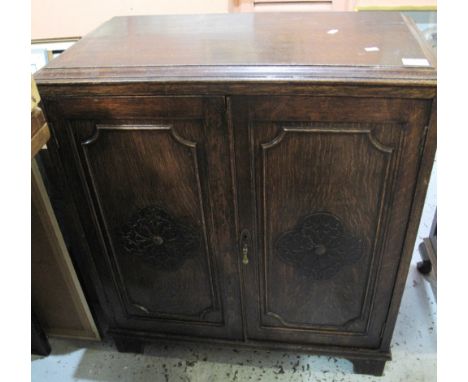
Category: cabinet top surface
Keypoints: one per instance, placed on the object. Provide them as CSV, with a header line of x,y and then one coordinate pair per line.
x,y
261,44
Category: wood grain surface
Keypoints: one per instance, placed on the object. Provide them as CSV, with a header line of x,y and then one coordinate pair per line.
x,y
244,46
293,162
357,164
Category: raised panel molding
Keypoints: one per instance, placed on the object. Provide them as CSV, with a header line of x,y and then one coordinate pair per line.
x,y
290,177
89,135
369,132
98,127
392,154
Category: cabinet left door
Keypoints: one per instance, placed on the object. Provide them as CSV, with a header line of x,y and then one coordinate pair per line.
x,y
152,181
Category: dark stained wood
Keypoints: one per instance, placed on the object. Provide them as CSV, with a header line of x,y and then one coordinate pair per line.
x,y
157,153
261,44
426,160
252,39
370,367
39,342
225,85
306,160
57,299
351,353
294,50
287,164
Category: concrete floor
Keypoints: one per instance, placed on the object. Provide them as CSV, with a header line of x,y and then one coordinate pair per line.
x,y
414,350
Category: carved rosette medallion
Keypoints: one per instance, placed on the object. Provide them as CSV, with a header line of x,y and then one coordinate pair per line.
x,y
319,246
156,237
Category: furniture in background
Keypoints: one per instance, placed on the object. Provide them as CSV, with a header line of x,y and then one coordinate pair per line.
x,y
244,188
423,13
43,51
331,5
58,304
40,134
395,5
291,5
428,251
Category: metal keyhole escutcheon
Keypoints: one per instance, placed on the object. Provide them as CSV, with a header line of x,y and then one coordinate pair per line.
x,y
245,241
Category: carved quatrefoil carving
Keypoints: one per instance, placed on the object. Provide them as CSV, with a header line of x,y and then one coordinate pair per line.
x,y
157,238
319,246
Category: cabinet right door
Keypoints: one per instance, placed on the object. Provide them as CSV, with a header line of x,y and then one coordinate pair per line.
x,y
325,187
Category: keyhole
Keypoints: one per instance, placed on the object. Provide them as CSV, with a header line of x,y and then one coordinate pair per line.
x,y
320,250
158,240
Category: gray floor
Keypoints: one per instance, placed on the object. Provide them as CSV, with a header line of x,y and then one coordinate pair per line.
x,y
414,350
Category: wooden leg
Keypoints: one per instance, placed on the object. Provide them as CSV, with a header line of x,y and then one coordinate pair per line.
x,y
424,267
370,367
125,345
39,342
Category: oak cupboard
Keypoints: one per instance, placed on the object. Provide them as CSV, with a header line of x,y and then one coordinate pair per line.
x,y
247,179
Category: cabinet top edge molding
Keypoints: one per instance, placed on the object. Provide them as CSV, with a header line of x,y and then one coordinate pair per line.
x,y
368,47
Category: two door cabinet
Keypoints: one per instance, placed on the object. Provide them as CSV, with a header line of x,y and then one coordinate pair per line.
x,y
246,179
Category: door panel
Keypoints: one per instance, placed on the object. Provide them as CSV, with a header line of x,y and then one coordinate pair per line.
x,y
162,217
321,189
160,238
322,210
